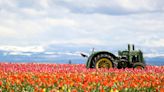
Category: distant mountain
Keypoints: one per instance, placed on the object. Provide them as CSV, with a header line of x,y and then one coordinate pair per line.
x,y
58,57
49,57
60,54
155,61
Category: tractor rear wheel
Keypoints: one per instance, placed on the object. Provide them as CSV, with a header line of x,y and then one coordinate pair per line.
x,y
103,61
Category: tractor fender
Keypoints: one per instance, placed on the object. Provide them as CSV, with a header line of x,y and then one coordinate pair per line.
x,y
91,57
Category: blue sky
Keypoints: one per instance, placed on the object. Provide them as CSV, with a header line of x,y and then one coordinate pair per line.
x,y
52,25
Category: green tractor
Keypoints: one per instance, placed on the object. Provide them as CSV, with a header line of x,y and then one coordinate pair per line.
x,y
130,58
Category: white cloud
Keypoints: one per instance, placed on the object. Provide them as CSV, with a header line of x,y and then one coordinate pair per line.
x,y
6,32
44,3
113,6
33,12
154,43
135,5
65,22
152,55
79,42
19,54
8,3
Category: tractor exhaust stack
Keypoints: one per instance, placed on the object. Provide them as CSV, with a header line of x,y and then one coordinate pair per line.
x,y
129,47
133,47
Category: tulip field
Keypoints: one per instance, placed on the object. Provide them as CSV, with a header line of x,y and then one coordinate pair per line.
x,y
35,77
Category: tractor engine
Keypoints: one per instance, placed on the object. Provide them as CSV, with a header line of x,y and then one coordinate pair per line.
x,y
129,58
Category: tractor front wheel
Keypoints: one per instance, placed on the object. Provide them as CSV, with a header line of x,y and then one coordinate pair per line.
x,y
138,66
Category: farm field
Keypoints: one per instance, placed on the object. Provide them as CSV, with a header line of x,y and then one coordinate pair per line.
x,y
35,77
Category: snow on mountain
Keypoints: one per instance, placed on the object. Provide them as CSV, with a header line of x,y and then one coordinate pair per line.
x,y
22,48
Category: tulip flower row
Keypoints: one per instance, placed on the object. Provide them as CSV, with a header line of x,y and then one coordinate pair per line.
x,y
33,77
